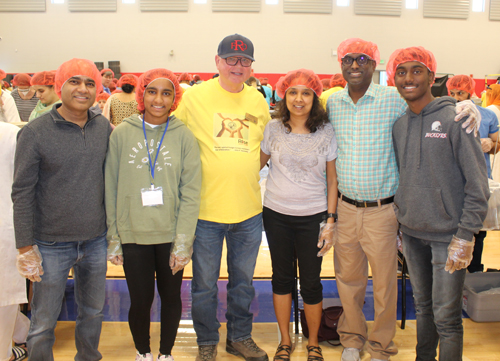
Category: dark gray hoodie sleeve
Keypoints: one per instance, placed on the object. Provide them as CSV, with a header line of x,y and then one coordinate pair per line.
x,y
469,156
395,145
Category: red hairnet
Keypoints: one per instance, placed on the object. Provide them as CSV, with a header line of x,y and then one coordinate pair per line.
x,y
196,77
130,79
461,82
76,67
146,78
6,84
106,70
44,78
415,53
21,79
185,77
326,83
299,77
337,80
3,74
493,95
356,45
102,96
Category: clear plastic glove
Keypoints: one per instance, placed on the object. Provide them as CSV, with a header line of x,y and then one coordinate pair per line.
x,y
327,237
116,260
467,108
29,264
486,144
115,253
181,252
399,239
459,254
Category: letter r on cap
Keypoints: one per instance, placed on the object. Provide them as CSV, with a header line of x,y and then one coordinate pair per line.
x,y
238,45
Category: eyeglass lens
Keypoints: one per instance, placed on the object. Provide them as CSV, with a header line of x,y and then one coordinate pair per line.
x,y
360,60
243,61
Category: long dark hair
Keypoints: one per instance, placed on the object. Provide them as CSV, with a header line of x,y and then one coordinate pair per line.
x,y
317,117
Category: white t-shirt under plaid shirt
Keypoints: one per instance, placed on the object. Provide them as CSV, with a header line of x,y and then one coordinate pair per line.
x,y
366,164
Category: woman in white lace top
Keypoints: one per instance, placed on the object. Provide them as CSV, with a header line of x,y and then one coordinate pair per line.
x,y
299,203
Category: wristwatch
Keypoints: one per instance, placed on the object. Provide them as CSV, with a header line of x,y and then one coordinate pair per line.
x,y
331,215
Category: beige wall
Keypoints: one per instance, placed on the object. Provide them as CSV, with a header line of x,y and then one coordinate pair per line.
x,y
41,41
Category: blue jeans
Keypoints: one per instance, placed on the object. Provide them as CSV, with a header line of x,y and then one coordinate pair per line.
x,y
88,260
438,299
243,240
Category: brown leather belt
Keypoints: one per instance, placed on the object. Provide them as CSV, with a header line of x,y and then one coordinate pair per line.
x,y
366,204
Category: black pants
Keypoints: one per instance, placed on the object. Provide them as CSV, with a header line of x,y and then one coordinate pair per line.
x,y
140,263
475,264
286,234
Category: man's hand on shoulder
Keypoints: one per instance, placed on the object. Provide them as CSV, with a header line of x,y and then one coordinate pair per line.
x,y
467,108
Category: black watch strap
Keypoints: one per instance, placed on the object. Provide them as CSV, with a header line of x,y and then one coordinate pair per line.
x,y
331,215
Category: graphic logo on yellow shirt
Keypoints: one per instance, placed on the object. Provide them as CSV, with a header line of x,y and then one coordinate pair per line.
x,y
231,132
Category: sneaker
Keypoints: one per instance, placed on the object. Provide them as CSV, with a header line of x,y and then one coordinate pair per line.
x,y
248,349
143,357
165,358
206,353
350,354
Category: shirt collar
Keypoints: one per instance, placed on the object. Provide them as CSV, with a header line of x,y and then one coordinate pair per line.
x,y
370,92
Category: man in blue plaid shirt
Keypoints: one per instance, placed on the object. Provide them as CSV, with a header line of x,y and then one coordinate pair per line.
x,y
363,115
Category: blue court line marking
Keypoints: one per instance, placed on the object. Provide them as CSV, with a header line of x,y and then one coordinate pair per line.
x,y
118,302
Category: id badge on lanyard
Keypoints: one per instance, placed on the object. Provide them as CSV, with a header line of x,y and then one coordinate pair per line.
x,y
152,196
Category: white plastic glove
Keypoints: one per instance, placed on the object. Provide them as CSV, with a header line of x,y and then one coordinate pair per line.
x,y
467,108
115,253
486,144
181,252
459,254
327,237
29,264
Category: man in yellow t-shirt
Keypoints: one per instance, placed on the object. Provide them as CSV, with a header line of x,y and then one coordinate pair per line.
x,y
228,119
337,82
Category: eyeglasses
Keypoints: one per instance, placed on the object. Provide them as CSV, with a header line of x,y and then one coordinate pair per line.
x,y
360,60
232,61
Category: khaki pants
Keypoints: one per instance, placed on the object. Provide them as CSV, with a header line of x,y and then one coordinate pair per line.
x,y
367,235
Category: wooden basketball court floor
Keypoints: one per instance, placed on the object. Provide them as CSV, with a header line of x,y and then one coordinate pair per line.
x,y
481,340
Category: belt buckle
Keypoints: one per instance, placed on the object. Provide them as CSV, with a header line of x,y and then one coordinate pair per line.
x,y
364,202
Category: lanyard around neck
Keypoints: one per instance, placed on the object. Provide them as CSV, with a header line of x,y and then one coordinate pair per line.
x,y
153,165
